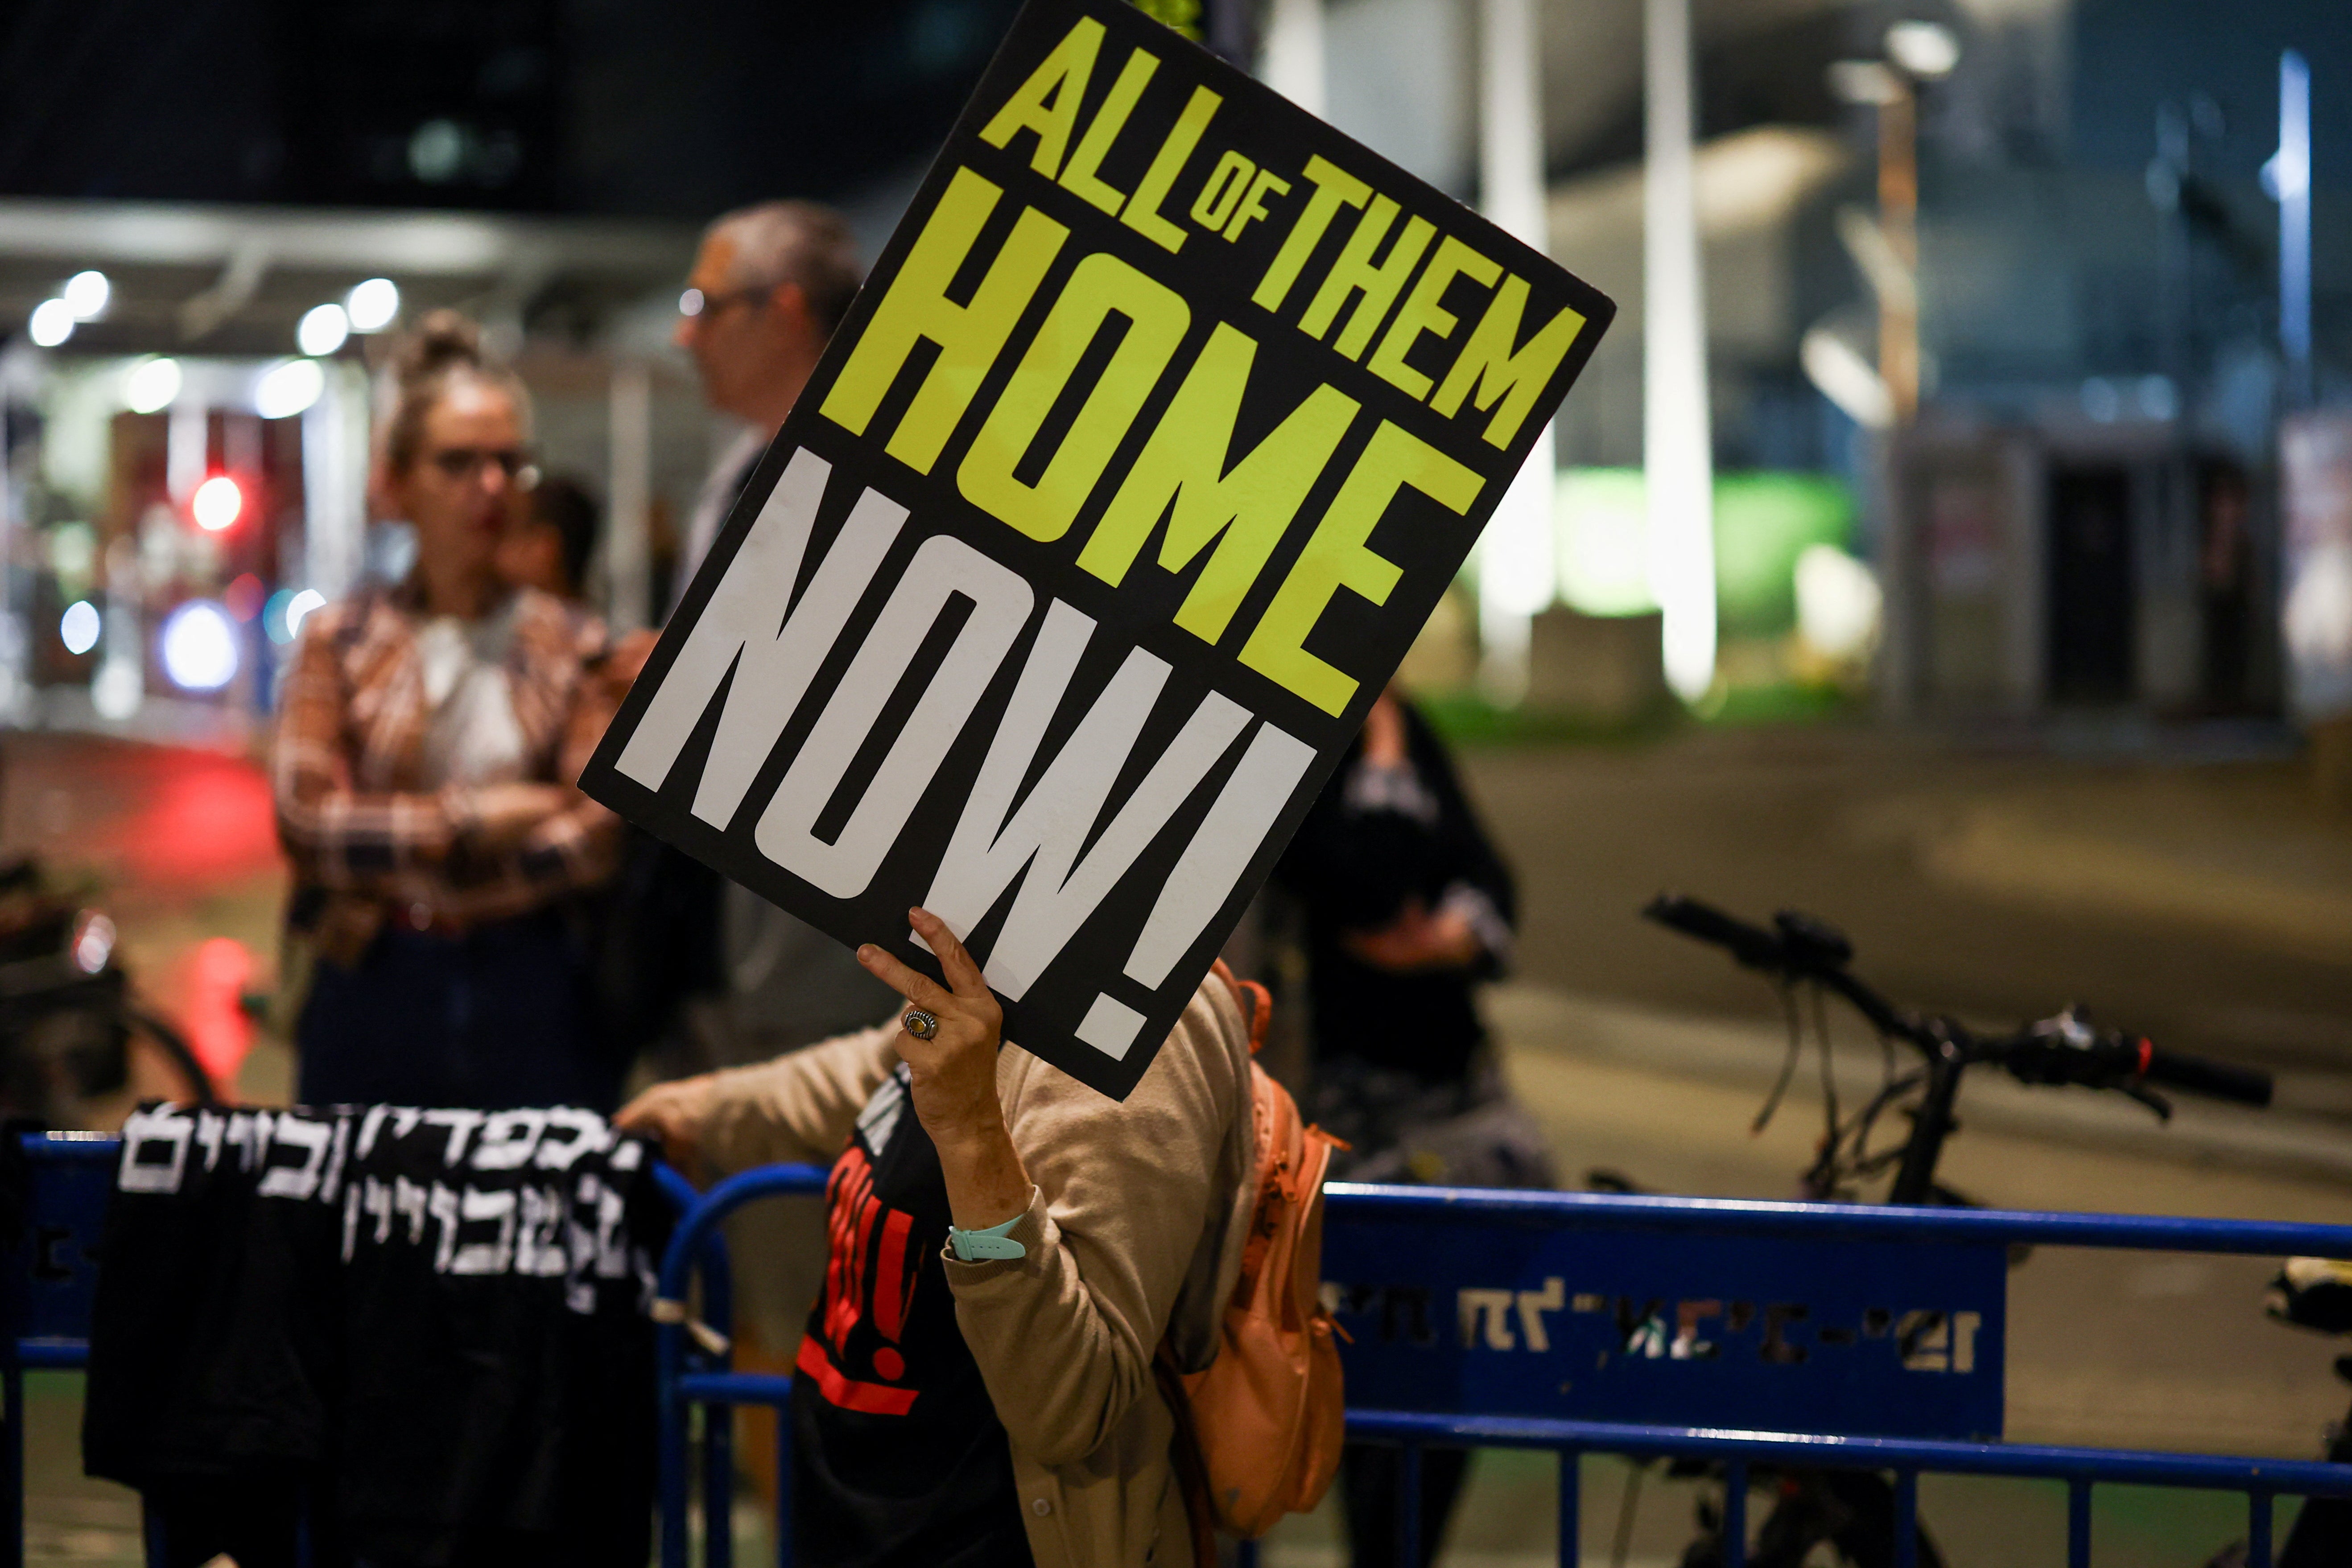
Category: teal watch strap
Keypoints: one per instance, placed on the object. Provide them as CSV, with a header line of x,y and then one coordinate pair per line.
x,y
981,1246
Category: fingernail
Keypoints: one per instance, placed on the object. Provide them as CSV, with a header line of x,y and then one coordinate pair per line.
x,y
864,948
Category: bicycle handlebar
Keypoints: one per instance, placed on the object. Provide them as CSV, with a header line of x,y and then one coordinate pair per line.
x,y
1752,944
2214,1079
2065,1050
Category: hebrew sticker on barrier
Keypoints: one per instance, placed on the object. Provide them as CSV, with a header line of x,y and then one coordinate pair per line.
x,y
1164,419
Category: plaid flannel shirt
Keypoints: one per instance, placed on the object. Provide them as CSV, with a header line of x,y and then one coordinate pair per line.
x,y
367,835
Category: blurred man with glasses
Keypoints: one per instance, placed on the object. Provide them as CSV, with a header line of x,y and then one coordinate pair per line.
x,y
769,287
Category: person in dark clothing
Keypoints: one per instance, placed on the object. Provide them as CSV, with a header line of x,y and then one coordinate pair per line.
x,y
1407,908
553,538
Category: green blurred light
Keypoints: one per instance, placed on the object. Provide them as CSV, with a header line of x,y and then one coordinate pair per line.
x,y
1763,521
1603,542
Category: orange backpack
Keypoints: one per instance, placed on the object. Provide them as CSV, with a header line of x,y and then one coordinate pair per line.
x,y
1265,1418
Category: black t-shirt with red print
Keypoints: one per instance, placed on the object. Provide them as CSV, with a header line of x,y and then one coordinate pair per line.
x,y
899,1457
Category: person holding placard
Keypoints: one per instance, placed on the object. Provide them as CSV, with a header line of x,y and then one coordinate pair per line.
x,y
1010,1250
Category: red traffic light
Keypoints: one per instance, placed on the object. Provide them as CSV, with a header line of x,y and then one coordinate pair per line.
x,y
216,504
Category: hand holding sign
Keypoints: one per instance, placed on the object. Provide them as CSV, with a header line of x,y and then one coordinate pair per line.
x,y
1166,418
951,1075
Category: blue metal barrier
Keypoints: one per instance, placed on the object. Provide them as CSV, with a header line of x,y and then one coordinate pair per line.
x,y
1586,1322
1568,1321
48,1278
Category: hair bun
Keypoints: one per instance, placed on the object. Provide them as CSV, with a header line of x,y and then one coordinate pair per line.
x,y
443,339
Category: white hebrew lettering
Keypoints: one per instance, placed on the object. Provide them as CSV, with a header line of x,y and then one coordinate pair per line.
x,y
155,1150
248,1134
1924,1340
461,1125
378,1203
298,1181
507,1139
1494,1307
474,1207
1688,1315
1533,1306
612,1245
590,1135
370,1126
444,1208
408,1200
539,1244
332,1183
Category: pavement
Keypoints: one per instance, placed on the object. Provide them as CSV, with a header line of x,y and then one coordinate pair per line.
x,y
2205,901
2202,898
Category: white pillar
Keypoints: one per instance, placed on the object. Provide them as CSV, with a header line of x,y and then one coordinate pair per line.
x,y
1677,447
2291,177
1517,577
1294,53
628,553
187,448
334,483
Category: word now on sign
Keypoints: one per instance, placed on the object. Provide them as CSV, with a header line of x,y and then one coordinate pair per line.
x,y
1164,421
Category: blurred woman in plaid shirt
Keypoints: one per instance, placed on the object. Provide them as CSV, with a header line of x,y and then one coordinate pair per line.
x,y
428,740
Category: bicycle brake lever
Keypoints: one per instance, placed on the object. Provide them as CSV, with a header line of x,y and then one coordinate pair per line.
x,y
2149,1098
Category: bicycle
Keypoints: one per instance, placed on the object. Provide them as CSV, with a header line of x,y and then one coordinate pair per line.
x,y
69,1015
1854,1512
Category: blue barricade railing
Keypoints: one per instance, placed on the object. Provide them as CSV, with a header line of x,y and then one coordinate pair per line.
x,y
1746,1334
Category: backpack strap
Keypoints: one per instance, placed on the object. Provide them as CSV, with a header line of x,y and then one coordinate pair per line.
x,y
1254,1000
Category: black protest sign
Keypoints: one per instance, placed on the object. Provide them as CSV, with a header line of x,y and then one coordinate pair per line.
x,y
1164,422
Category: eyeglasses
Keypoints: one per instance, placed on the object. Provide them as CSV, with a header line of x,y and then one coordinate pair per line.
x,y
695,304
464,464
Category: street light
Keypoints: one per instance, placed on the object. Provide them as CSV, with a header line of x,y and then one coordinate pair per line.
x,y
1928,50
1918,51
86,294
288,387
322,329
51,323
216,504
151,385
371,306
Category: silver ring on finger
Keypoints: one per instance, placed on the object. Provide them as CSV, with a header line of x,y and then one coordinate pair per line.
x,y
920,1024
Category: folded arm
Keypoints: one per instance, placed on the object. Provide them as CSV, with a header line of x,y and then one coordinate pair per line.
x,y
341,837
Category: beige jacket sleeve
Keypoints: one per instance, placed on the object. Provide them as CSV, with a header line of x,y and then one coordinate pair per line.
x,y
798,1107
1127,1193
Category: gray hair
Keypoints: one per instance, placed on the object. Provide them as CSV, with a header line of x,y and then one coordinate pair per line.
x,y
778,243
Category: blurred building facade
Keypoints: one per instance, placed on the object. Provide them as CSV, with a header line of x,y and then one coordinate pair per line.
x,y
2085,512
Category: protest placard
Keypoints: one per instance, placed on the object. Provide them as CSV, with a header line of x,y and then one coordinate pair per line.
x,y
1161,424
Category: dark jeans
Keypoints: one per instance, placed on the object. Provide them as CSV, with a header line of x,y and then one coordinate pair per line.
x,y
1369,1475
489,1021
